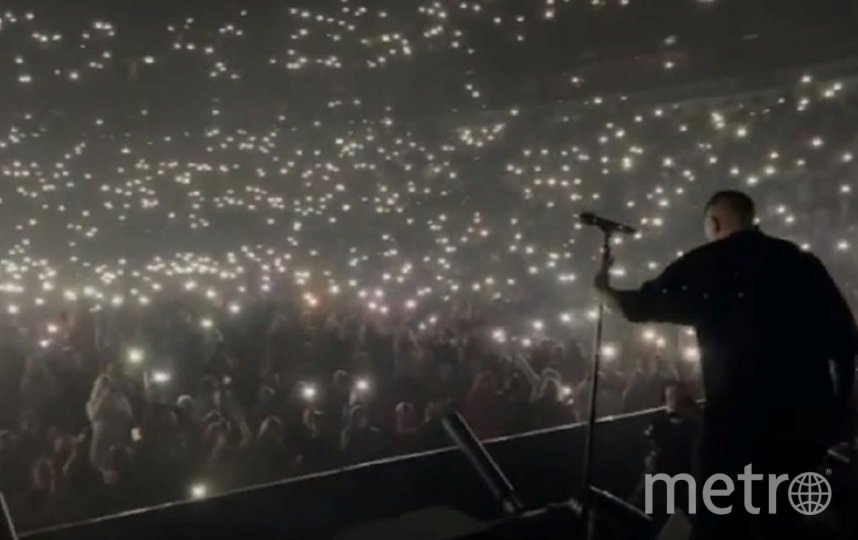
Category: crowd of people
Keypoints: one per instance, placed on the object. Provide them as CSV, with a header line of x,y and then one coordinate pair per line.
x,y
132,410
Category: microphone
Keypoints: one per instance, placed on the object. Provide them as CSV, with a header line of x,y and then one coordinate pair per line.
x,y
607,225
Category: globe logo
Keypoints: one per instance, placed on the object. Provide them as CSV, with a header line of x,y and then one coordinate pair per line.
x,y
809,493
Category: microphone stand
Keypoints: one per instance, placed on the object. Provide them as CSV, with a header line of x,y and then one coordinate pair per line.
x,y
586,495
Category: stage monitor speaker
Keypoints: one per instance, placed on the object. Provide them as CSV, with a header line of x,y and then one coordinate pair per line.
x,y
7,526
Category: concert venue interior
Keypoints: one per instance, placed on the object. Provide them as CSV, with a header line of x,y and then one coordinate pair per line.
x,y
267,265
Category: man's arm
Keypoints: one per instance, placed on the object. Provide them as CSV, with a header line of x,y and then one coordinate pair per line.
x,y
835,318
668,298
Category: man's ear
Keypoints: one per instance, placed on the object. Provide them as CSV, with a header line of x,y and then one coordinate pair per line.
x,y
716,224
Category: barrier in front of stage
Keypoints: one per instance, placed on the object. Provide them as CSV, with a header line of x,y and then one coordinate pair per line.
x,y
544,466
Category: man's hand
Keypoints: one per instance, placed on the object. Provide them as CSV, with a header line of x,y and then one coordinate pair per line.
x,y
608,296
602,282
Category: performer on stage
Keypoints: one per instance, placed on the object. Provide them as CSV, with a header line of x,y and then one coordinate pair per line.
x,y
771,324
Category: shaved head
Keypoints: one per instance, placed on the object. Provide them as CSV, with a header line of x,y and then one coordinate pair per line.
x,y
728,212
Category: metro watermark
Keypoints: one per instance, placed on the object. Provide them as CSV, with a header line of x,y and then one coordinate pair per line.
x,y
808,493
